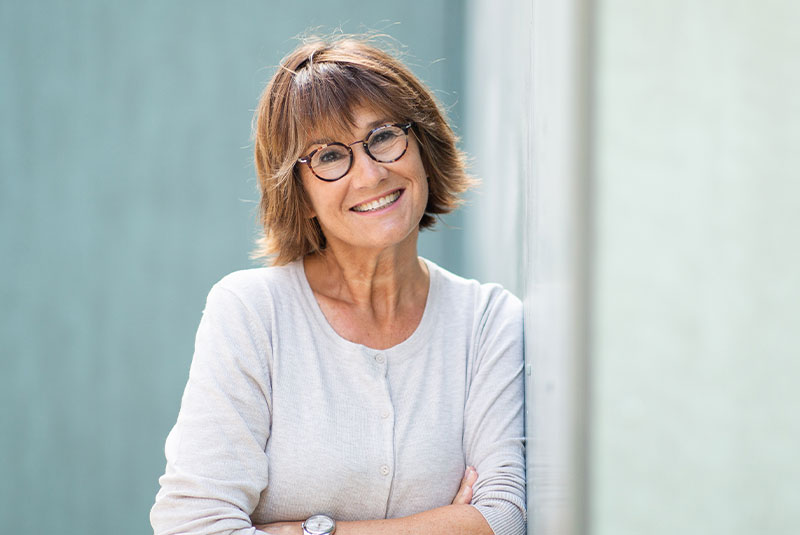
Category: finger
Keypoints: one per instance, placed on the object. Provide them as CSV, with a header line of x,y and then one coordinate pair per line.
x,y
462,488
464,494
471,477
464,497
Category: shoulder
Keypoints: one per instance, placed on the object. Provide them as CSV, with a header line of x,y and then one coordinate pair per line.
x,y
253,296
249,304
488,315
258,286
484,300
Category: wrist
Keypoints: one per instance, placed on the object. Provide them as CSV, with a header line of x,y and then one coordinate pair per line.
x,y
319,524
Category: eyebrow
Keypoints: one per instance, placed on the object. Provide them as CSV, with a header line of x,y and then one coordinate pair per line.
x,y
369,128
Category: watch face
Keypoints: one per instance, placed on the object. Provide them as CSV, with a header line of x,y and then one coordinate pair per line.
x,y
319,525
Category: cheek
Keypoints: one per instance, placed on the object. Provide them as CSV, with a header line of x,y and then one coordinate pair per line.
x,y
323,197
310,193
424,183
421,171
311,213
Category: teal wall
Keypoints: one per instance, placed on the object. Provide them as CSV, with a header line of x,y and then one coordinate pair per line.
x,y
126,191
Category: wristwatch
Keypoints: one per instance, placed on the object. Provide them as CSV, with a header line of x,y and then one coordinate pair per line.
x,y
319,525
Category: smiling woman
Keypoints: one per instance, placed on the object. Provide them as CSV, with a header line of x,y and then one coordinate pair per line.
x,y
312,100
379,205
352,386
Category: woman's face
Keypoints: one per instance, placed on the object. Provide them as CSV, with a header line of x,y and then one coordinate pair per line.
x,y
375,206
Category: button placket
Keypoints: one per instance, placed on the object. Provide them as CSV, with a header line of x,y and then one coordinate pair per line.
x,y
385,411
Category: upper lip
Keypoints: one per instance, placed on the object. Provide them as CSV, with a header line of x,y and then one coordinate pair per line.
x,y
376,197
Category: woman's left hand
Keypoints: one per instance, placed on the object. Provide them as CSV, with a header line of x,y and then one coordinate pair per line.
x,y
464,494
282,528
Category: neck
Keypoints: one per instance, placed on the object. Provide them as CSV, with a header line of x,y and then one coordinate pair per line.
x,y
384,281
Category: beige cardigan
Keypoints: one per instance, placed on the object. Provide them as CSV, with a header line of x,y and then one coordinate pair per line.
x,y
282,418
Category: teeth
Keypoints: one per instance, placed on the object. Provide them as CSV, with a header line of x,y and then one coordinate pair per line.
x,y
378,203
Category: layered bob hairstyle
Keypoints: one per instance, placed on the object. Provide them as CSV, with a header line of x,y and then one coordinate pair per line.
x,y
317,89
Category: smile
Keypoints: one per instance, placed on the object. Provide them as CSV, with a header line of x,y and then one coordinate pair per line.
x,y
377,204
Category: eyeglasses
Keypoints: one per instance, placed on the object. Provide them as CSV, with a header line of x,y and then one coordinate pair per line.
x,y
384,144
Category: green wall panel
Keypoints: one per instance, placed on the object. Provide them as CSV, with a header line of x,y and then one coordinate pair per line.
x,y
126,191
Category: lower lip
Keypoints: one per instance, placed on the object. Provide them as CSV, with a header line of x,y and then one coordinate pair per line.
x,y
384,209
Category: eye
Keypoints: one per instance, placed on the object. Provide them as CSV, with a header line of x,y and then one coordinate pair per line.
x,y
386,135
330,155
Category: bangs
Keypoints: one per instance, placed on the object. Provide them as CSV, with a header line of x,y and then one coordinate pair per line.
x,y
325,96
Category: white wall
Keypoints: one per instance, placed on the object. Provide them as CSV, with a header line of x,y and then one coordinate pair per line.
x,y
662,219
496,137
526,98
696,353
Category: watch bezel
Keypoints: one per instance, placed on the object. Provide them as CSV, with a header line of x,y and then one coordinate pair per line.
x,y
330,531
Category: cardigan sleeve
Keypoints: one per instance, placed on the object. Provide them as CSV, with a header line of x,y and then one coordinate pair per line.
x,y
494,415
216,462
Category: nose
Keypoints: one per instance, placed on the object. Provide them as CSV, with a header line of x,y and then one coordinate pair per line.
x,y
366,172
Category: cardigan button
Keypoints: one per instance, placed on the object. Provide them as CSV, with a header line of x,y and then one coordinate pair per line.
x,y
385,470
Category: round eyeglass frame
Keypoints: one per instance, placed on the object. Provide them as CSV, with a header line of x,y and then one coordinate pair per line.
x,y
307,159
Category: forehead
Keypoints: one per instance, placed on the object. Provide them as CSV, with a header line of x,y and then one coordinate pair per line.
x,y
354,124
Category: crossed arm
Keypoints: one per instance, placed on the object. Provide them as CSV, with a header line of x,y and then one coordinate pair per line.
x,y
217,467
454,519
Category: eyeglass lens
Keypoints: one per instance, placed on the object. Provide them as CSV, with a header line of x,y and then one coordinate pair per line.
x,y
385,144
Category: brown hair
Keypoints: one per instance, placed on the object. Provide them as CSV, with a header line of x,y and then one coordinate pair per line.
x,y
317,87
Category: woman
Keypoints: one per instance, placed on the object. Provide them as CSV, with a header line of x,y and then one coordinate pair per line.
x,y
352,386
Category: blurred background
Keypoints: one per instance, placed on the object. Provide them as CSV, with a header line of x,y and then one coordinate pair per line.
x,y
641,184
